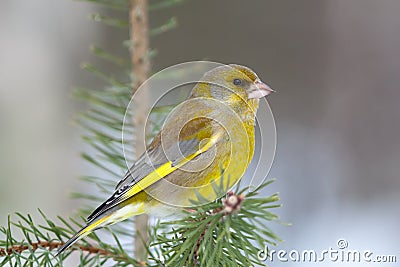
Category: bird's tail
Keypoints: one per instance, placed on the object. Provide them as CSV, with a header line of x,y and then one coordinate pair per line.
x,y
90,227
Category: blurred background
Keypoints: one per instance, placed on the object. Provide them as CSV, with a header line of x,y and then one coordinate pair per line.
x,y
334,63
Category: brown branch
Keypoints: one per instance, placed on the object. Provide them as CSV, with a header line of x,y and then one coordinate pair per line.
x,y
139,41
54,245
140,68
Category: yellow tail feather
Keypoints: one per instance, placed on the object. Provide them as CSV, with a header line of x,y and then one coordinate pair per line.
x,y
82,233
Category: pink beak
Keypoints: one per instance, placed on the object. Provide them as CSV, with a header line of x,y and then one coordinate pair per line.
x,y
258,90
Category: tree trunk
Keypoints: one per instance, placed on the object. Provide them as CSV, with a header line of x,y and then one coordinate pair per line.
x,y
140,67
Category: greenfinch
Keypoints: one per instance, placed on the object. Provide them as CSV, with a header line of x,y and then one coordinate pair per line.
x,y
208,136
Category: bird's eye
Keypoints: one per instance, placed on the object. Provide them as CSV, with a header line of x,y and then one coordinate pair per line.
x,y
237,82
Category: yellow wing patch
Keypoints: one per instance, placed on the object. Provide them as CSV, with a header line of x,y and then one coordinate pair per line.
x,y
167,168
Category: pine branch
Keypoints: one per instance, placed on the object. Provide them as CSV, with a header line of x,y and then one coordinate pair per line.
x,y
141,67
52,246
41,240
227,232
104,120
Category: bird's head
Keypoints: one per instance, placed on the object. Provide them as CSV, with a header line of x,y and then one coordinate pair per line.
x,y
237,86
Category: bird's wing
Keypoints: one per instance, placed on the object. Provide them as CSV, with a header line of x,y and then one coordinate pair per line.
x,y
155,158
152,167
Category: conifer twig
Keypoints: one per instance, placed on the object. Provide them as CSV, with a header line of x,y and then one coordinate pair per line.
x,y
140,67
54,245
232,204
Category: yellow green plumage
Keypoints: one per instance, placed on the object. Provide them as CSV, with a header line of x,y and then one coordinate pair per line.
x,y
212,131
